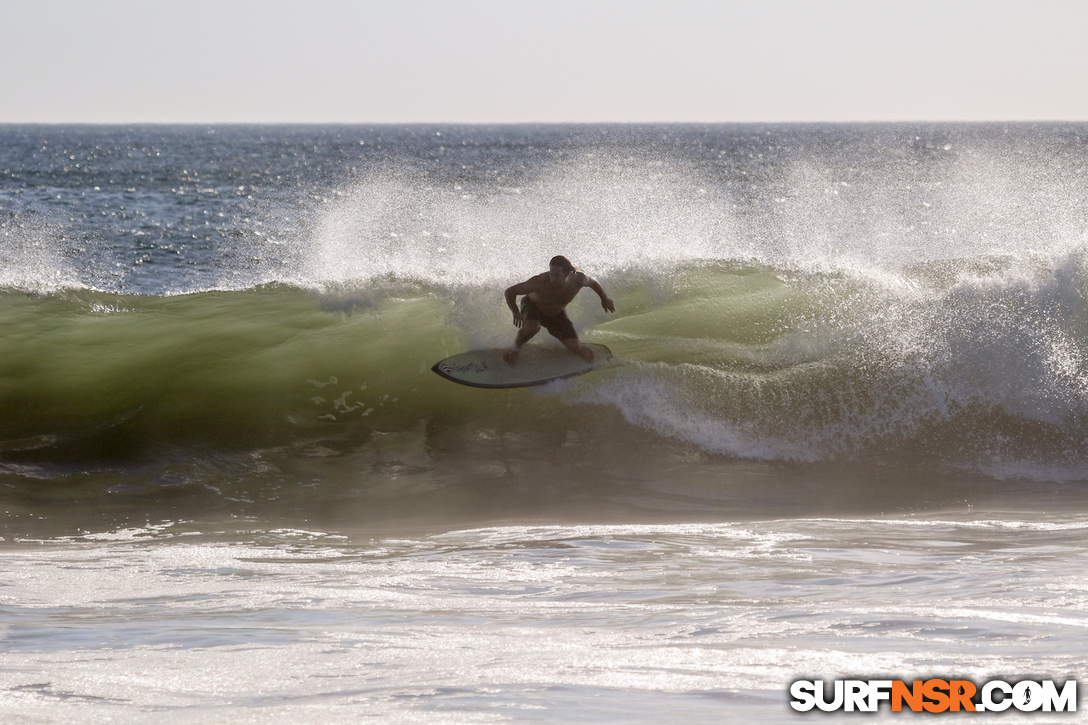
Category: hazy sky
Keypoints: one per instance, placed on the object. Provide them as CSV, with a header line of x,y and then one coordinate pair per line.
x,y
361,61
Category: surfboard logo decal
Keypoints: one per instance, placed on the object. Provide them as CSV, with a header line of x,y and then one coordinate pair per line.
x,y
474,367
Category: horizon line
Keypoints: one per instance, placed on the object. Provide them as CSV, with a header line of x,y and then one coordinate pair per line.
x,y
542,123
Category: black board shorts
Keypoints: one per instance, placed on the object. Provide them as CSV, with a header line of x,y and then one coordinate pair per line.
x,y
559,325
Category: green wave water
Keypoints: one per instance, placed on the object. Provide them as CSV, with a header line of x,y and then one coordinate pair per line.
x,y
985,374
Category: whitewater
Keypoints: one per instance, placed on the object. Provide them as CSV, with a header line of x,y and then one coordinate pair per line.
x,y
847,434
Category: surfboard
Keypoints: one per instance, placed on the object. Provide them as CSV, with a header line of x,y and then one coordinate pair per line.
x,y
536,365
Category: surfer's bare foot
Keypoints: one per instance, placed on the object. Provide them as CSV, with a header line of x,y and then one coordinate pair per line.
x,y
586,353
510,357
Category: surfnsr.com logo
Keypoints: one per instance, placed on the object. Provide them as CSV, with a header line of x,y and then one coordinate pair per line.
x,y
934,695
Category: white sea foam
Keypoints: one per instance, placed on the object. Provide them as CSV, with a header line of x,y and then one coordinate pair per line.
x,y
640,621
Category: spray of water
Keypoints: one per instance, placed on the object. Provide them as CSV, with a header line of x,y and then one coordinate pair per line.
x,y
608,215
31,256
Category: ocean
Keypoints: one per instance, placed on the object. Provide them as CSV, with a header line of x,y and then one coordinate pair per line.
x,y
846,435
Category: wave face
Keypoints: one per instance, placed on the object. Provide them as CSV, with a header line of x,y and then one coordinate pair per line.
x,y
905,295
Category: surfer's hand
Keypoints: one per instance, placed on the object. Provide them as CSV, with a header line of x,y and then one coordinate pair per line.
x,y
607,304
518,319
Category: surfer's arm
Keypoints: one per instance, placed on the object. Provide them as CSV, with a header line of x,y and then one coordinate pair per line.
x,y
606,301
512,293
512,299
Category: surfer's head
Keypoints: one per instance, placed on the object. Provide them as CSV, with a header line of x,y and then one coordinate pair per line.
x,y
560,267
561,261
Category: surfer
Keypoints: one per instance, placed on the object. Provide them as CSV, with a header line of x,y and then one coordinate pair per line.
x,y
546,297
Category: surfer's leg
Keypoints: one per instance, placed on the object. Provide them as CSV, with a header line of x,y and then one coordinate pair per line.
x,y
562,329
528,329
572,344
